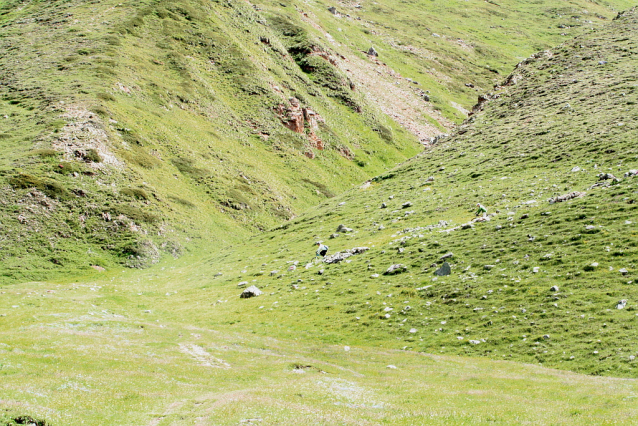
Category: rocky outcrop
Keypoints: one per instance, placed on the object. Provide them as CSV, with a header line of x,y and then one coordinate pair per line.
x,y
301,120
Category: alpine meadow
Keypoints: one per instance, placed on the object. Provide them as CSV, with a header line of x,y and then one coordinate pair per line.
x,y
171,171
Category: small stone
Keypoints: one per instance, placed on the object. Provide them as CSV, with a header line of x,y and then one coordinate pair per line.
x,y
243,283
392,367
488,267
623,271
343,228
413,330
554,288
384,205
475,342
446,256
621,304
444,270
406,205
546,336
387,316
536,269
346,348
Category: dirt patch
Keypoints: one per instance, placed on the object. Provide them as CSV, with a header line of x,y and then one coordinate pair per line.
x,y
83,132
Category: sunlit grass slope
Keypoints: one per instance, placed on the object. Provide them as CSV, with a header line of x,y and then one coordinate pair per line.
x,y
133,130
119,350
539,282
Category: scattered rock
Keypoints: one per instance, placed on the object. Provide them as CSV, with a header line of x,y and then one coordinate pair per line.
x,y
320,272
575,169
406,205
444,270
273,273
467,226
413,330
384,205
446,256
631,173
373,52
98,268
525,216
343,228
333,236
621,304
243,283
536,269
400,250
566,197
475,342
392,367
395,269
554,288
591,267
343,255
546,336
333,10
251,291
488,267
623,271
608,176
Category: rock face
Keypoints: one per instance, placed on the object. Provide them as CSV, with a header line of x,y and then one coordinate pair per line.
x,y
343,255
251,291
443,270
297,119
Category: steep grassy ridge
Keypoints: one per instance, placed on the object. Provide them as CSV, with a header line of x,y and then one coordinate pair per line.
x,y
539,282
164,121
131,130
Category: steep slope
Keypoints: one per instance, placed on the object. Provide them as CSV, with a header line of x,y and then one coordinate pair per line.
x,y
137,129
549,275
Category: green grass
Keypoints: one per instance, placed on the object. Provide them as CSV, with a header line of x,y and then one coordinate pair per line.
x,y
174,343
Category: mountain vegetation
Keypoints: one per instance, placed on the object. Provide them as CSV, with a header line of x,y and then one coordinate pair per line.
x,y
164,159
138,130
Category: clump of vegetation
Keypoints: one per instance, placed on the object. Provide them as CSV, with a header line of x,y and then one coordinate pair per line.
x,y
136,193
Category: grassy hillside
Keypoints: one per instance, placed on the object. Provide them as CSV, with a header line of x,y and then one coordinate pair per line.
x,y
547,282
135,130
539,281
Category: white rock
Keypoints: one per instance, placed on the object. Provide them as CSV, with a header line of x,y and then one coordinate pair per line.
x,y
413,330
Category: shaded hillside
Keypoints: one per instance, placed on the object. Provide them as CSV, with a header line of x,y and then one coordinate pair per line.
x,y
132,130
550,275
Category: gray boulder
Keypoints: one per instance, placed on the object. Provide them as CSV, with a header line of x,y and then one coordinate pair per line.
x,y
251,291
343,255
343,228
395,269
444,270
